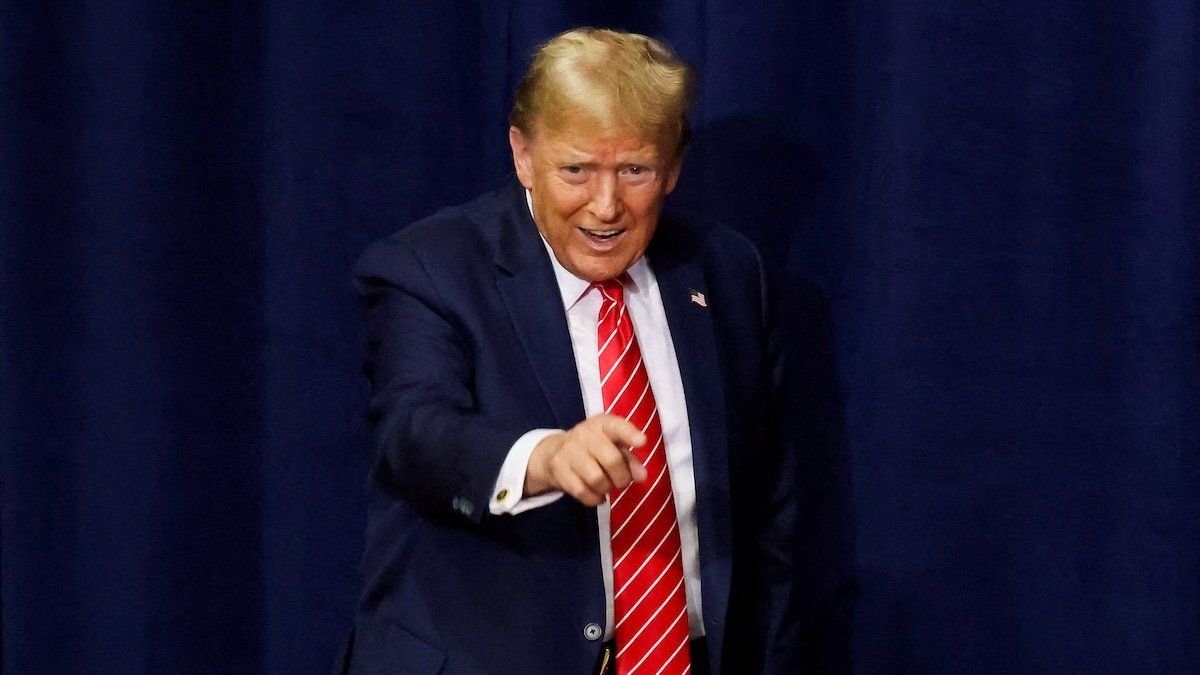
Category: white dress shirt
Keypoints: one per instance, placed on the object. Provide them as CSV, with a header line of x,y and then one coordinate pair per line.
x,y
644,304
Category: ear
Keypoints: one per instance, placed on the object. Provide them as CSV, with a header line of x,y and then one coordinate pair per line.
x,y
522,153
672,176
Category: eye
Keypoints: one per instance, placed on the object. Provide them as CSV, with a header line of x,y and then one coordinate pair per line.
x,y
637,174
573,174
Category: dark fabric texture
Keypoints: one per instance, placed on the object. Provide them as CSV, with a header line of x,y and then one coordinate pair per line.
x,y
988,211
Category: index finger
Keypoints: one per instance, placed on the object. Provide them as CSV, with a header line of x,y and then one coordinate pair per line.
x,y
622,431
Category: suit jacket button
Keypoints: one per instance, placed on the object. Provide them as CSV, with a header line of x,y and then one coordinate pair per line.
x,y
592,631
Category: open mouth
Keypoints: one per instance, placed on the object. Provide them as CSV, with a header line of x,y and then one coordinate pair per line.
x,y
601,236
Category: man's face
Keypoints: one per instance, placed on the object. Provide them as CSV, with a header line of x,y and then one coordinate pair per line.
x,y
596,199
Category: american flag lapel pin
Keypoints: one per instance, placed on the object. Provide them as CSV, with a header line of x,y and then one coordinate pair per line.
x,y
697,297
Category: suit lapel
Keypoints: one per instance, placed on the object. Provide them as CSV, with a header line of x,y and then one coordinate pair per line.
x,y
675,261
526,282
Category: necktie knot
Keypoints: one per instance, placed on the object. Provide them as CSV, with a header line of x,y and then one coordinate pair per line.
x,y
613,290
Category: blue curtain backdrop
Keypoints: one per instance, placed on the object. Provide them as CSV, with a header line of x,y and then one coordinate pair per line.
x,y
989,210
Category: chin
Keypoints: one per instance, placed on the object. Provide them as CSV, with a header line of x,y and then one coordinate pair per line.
x,y
606,270
592,267
593,274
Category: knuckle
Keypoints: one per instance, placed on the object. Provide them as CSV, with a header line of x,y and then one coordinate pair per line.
x,y
595,479
557,462
613,458
585,496
569,440
574,488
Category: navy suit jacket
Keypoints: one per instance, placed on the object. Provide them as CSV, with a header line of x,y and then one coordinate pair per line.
x,y
467,349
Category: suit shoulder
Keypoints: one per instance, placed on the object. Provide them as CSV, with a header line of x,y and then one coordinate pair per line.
x,y
711,239
729,241
456,233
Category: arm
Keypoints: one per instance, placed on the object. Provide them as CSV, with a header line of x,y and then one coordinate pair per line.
x,y
428,445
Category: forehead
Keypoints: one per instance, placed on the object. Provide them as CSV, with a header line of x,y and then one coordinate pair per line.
x,y
585,137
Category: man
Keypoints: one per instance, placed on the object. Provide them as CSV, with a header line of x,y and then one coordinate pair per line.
x,y
579,456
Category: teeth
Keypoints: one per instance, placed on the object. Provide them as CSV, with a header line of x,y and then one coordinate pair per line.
x,y
603,233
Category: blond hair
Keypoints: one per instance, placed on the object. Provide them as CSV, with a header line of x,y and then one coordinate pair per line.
x,y
615,80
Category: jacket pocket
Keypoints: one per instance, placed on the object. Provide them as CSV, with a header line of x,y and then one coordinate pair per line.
x,y
384,648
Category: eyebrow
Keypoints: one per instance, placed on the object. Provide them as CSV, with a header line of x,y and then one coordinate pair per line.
x,y
569,155
570,159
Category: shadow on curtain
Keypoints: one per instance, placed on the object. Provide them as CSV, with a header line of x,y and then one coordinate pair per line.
x,y
988,210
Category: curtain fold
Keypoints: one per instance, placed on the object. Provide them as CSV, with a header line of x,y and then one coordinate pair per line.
x,y
988,212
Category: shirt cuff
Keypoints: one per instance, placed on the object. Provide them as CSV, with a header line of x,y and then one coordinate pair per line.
x,y
508,495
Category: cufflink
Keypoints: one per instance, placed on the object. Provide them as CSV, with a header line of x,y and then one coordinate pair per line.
x,y
501,495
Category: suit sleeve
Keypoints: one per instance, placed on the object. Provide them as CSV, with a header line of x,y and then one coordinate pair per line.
x,y
428,444
775,542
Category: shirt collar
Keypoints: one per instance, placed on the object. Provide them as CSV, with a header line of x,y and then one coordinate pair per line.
x,y
572,288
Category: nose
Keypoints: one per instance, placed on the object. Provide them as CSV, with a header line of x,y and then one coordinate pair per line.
x,y
606,205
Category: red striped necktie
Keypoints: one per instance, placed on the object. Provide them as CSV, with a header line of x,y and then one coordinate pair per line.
x,y
649,598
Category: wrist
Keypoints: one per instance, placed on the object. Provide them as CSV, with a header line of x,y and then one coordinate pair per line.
x,y
537,477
